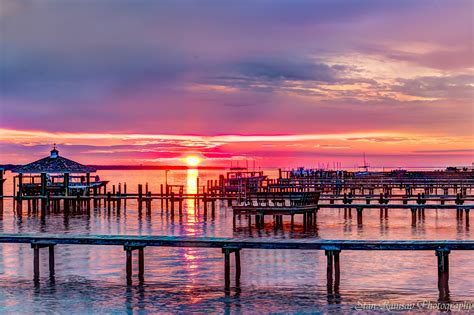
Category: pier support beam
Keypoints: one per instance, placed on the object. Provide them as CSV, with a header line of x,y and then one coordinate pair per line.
x,y
36,260
359,215
443,273
129,265
413,216
333,265
227,251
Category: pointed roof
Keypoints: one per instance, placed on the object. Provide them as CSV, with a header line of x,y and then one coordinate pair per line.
x,y
54,164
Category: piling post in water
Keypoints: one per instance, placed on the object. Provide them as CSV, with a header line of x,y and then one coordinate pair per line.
x,y
227,251
128,263
238,269
148,202
43,191
51,261
172,204
141,264
413,217
333,265
443,273
140,196
359,215
125,195
1,183
36,260
329,268
167,194
213,205
161,196
20,188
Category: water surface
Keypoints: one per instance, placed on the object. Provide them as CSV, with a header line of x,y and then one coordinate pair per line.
x,y
92,278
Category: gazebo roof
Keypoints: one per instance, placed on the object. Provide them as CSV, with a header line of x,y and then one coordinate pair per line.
x,y
54,164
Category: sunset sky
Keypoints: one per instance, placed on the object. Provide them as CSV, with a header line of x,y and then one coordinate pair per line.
x,y
286,83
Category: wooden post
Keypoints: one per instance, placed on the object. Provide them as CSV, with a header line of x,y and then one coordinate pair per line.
x,y
329,267
213,207
140,196
226,269
337,271
20,184
413,217
51,261
443,273
333,264
1,183
359,215
109,197
467,216
141,264
43,191
237,267
172,203
36,266
227,252
167,190
66,184
148,202
128,251
161,195
88,181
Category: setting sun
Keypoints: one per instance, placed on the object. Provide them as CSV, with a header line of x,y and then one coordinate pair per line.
x,y
193,160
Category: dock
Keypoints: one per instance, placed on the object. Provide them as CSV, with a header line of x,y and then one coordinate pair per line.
x,y
332,249
253,194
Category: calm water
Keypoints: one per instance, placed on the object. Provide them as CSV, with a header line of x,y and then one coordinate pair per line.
x,y
91,279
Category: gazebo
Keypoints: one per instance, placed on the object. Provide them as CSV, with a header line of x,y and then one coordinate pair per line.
x,y
55,174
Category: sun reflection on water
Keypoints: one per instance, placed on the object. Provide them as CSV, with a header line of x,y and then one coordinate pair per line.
x,y
191,188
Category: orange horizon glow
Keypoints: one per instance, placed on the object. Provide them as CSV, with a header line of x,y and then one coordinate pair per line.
x,y
384,148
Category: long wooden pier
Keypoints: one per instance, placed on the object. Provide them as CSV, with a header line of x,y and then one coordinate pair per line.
x,y
228,246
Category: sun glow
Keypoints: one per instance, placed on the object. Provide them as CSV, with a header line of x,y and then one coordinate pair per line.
x,y
193,160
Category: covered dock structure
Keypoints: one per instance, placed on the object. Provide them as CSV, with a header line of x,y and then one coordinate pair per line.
x,y
55,175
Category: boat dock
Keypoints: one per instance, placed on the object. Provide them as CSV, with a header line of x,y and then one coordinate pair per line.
x,y
266,198
332,249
